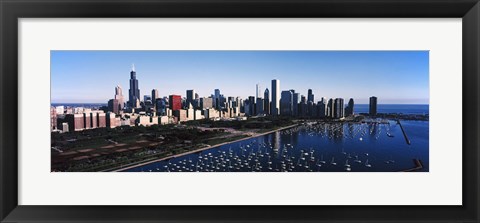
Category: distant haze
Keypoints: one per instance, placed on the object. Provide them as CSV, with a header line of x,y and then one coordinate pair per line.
x,y
395,77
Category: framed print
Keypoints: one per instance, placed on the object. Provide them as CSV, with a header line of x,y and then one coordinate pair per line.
x,y
204,111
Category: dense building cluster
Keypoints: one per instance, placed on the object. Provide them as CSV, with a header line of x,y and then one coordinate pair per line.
x,y
173,109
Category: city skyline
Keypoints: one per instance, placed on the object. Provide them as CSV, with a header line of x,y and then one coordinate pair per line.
x,y
399,77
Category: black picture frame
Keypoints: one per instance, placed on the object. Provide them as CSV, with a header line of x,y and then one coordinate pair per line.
x,y
12,10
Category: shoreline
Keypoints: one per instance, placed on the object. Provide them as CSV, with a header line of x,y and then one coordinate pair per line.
x,y
199,150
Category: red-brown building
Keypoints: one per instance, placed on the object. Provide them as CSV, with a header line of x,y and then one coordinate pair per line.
x,y
75,122
175,102
53,118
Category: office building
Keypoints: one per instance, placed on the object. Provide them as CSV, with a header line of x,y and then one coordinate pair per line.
x,y
119,97
296,100
258,92
373,106
190,98
252,108
330,108
175,102
349,108
154,95
286,103
266,101
134,91
310,96
275,104
339,111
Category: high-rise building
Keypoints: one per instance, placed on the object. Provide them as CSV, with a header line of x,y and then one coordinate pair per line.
x,y
119,97
258,92
266,102
310,95
252,105
175,102
322,108
373,106
216,98
338,108
349,108
190,97
330,108
154,95
259,107
134,91
286,103
275,105
296,100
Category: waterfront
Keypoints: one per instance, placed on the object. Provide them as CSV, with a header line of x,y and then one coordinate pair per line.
x,y
313,147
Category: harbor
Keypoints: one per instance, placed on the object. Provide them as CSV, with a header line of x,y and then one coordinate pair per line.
x,y
310,147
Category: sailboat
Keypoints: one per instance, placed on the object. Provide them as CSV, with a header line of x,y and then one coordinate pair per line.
x,y
367,164
333,161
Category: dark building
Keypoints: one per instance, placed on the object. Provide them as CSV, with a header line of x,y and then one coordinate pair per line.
x,y
286,103
349,108
190,98
296,98
175,102
321,109
373,106
311,109
330,108
134,91
310,95
259,107
252,108
266,101
338,108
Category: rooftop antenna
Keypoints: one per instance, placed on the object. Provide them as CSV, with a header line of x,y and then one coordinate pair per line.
x,y
133,67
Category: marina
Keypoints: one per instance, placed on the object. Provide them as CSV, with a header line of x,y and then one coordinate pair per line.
x,y
312,147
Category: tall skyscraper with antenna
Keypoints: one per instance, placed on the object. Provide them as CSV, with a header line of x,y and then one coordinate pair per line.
x,y
134,91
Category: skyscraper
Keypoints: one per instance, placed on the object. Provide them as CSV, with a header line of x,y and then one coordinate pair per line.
x,y
190,97
349,108
322,108
275,105
258,92
310,95
330,108
175,102
296,100
154,95
133,92
119,96
373,106
286,103
216,98
266,101
338,108
251,99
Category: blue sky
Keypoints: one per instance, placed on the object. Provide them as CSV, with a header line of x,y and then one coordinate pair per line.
x,y
395,77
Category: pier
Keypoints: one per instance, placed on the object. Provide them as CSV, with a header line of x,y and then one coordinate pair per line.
x,y
403,131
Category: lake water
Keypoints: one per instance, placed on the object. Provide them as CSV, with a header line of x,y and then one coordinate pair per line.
x,y
313,147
